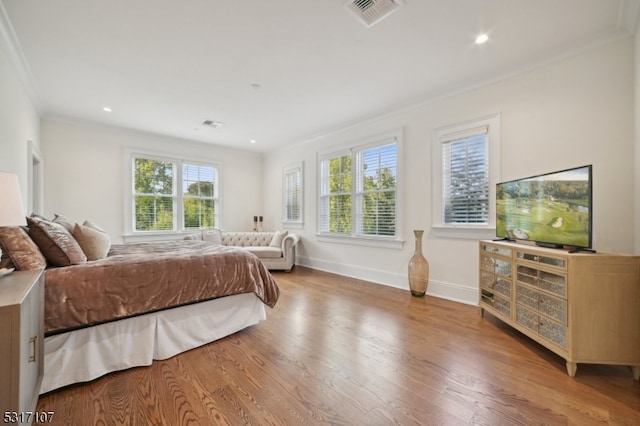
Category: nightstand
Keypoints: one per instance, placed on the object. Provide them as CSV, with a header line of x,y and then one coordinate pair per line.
x,y
21,342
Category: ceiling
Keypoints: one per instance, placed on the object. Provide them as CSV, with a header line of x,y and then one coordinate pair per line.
x,y
164,66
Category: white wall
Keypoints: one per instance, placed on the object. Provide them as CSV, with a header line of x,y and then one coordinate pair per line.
x,y
19,123
576,111
572,112
86,170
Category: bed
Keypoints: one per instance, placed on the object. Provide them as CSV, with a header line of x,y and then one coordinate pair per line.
x,y
148,301
139,302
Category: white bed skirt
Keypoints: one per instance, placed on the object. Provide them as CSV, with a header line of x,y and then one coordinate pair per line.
x,y
86,354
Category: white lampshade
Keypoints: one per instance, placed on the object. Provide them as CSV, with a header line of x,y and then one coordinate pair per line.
x,y
11,207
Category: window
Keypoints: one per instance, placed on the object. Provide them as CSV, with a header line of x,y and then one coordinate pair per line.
x,y
200,196
466,160
465,180
376,190
173,195
154,195
292,196
359,189
335,199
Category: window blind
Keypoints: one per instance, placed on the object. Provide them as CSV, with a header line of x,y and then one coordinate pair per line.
x,y
153,194
199,186
465,180
335,199
293,195
376,190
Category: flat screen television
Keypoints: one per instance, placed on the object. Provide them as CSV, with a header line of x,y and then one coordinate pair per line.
x,y
552,210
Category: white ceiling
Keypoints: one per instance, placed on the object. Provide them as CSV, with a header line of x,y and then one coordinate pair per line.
x,y
163,66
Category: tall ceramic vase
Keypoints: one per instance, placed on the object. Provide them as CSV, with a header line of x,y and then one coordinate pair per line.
x,y
418,268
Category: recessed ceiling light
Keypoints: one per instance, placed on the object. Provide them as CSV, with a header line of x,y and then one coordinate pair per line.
x,y
482,38
106,109
252,141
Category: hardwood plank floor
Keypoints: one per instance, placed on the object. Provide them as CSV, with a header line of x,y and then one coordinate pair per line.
x,y
341,351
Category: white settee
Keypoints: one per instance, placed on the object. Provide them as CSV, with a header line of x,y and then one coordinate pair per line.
x,y
277,250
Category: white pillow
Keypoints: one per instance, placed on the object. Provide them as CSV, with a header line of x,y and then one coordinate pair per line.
x,y
212,236
276,241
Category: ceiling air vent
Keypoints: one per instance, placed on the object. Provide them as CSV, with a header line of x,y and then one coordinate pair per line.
x,y
372,11
211,123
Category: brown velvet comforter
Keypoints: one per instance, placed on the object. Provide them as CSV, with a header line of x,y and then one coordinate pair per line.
x,y
146,277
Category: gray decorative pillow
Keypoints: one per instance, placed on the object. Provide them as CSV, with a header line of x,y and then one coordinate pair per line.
x,y
64,221
95,244
23,253
55,242
277,239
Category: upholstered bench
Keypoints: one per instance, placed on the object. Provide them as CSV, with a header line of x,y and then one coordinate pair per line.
x,y
277,250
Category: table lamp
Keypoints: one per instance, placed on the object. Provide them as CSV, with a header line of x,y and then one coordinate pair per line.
x,y
11,208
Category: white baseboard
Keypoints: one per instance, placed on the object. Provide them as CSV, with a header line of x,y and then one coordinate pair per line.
x,y
450,291
454,292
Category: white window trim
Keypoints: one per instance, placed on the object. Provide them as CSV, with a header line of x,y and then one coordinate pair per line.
x,y
130,235
396,241
286,223
491,125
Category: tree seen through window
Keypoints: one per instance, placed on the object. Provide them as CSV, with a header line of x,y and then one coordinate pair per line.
x,y
359,192
157,204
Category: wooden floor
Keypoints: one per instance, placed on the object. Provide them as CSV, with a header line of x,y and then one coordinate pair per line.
x,y
340,351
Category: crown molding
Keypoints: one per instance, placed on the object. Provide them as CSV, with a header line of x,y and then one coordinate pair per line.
x,y
461,87
9,43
